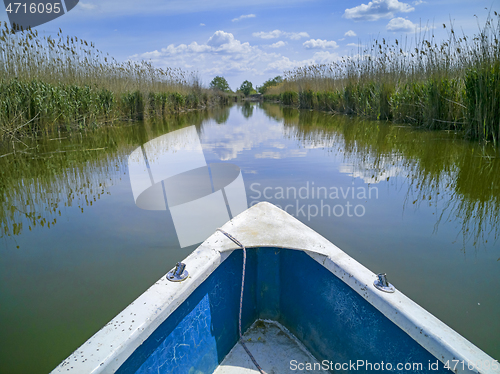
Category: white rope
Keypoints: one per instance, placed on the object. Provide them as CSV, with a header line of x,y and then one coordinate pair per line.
x,y
241,298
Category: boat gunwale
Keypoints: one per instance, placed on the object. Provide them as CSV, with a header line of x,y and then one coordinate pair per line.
x,y
265,226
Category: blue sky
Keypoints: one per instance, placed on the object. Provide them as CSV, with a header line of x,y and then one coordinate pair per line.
x,y
255,40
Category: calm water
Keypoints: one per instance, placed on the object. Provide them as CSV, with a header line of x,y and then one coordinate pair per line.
x,y
75,249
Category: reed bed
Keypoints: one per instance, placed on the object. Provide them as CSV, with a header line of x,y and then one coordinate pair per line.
x,y
453,85
48,82
458,178
81,166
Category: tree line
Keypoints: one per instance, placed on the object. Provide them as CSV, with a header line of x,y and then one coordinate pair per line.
x,y
246,88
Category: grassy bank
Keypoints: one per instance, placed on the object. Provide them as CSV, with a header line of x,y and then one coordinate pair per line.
x,y
48,83
451,86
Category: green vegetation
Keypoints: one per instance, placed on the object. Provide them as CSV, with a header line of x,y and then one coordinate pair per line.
x,y
458,177
220,83
48,83
76,165
451,86
269,83
246,88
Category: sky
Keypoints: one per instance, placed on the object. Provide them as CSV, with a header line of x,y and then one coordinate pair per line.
x,y
259,39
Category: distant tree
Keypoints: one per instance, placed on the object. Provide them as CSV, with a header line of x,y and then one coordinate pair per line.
x,y
220,83
246,87
269,83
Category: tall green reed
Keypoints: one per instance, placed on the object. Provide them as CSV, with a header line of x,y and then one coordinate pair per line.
x,y
46,82
453,85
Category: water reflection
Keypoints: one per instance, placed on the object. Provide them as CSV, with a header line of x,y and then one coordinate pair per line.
x,y
51,174
439,169
243,135
247,109
67,282
221,115
37,187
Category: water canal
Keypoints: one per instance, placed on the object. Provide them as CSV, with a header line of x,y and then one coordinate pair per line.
x,y
75,248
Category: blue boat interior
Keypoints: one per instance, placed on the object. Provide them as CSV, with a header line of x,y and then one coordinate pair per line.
x,y
288,286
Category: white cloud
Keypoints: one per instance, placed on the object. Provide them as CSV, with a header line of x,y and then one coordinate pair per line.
x,y
277,33
219,38
282,154
325,57
319,44
222,41
221,54
153,54
202,24
354,45
377,9
243,17
350,33
257,133
219,43
400,24
278,44
367,172
172,50
284,63
268,35
296,35
87,6
198,48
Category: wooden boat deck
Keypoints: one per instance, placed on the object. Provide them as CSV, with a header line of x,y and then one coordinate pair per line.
x,y
273,347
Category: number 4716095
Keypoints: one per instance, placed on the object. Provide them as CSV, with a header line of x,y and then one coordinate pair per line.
x,y
33,8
